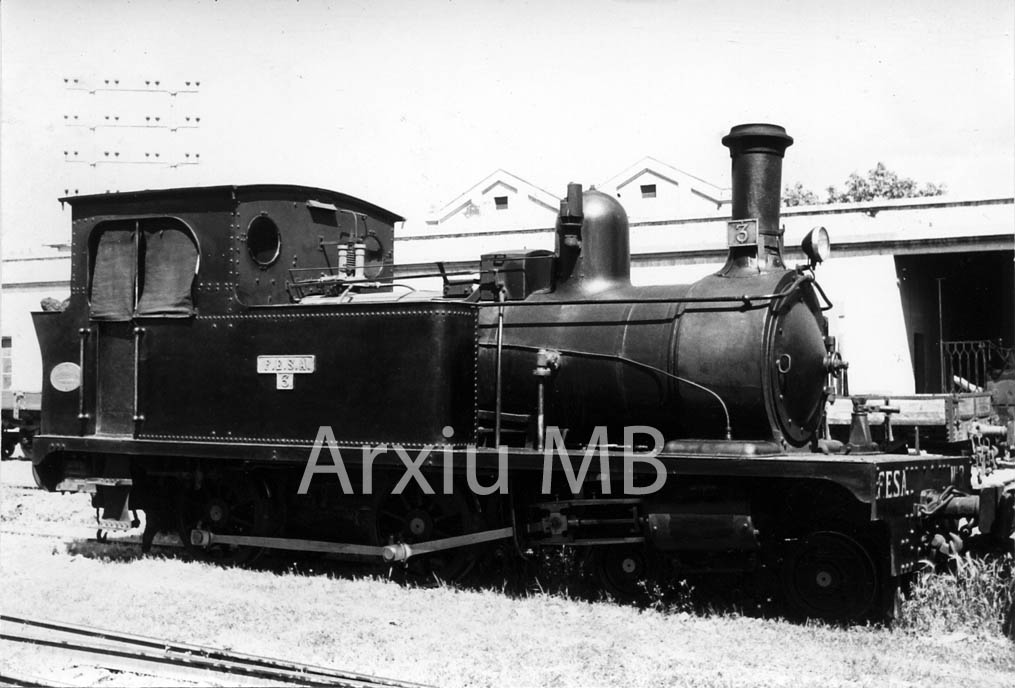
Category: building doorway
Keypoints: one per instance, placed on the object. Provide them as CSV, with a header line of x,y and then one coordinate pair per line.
x,y
974,316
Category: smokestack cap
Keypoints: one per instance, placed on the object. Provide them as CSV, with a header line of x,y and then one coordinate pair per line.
x,y
757,138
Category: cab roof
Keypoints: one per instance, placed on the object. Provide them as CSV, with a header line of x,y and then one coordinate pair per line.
x,y
91,204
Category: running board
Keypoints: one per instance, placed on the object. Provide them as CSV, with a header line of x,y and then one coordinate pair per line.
x,y
389,553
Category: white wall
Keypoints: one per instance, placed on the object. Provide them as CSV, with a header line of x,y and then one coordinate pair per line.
x,y
522,212
869,324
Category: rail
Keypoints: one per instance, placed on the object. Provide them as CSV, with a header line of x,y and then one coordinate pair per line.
x,y
126,652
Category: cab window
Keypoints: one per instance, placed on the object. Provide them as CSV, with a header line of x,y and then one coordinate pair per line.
x,y
142,267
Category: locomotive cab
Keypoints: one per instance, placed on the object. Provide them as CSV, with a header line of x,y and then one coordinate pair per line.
x,y
184,301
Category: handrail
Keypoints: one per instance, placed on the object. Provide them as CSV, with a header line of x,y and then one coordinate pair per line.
x,y
746,299
83,334
500,348
629,361
138,331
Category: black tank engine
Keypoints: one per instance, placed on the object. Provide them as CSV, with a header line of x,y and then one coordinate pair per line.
x,y
248,366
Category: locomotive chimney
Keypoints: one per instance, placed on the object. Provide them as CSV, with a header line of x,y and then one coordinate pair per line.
x,y
754,235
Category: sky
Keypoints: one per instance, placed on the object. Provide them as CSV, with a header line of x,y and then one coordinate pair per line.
x,y
408,104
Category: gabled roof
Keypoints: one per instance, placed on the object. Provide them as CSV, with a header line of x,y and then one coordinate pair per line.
x,y
512,181
699,186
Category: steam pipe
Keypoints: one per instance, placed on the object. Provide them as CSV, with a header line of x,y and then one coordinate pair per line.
x,y
569,233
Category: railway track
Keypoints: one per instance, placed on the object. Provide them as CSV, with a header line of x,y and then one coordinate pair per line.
x,y
89,534
168,660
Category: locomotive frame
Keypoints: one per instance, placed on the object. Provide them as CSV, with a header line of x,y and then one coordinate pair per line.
x,y
214,333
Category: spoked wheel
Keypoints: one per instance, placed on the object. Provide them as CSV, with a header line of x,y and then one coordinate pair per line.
x,y
624,570
413,517
229,504
831,576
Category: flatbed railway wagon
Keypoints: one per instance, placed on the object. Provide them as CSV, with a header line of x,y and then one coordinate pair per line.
x,y
19,415
959,422
241,363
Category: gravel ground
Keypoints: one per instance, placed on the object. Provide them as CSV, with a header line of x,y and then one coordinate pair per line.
x,y
443,636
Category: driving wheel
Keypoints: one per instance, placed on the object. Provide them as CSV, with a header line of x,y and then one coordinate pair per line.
x,y
624,571
831,576
411,516
229,504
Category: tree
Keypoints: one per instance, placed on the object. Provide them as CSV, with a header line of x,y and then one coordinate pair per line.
x,y
879,182
798,195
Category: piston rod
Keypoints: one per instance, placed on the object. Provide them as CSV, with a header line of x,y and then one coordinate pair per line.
x,y
389,553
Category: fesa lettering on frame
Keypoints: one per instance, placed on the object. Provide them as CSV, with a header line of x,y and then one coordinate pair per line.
x,y
892,483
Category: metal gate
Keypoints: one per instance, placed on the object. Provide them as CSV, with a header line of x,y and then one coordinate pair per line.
x,y
966,366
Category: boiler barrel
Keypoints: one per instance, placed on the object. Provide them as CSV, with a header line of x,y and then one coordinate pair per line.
x,y
610,354
665,364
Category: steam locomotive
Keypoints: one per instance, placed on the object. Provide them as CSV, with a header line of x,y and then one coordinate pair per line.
x,y
243,364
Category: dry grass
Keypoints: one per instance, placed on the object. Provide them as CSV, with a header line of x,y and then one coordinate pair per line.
x,y
972,594
454,637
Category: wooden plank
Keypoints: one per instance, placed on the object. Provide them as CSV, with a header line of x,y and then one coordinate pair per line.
x,y
921,409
